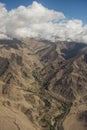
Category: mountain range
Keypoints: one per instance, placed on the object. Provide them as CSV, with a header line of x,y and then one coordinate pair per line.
x,y
43,85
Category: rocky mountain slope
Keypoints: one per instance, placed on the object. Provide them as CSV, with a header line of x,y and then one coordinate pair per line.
x,y
43,85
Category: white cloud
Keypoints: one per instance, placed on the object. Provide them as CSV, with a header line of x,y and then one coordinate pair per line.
x,y
3,18
39,22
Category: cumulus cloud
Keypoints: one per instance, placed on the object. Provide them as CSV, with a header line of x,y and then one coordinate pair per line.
x,y
36,21
3,19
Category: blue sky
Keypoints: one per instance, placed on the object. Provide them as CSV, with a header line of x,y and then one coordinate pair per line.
x,y
71,8
44,19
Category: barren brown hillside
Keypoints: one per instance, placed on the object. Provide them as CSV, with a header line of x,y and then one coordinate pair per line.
x,y
43,85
